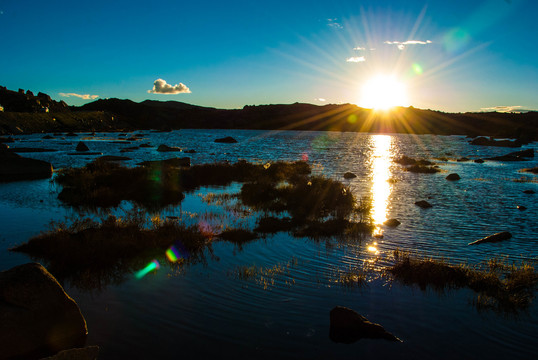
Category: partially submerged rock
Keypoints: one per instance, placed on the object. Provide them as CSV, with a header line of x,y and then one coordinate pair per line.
x,y
82,147
226,140
15,167
165,148
529,191
37,317
347,326
349,175
479,161
392,222
522,155
453,177
492,142
423,204
504,235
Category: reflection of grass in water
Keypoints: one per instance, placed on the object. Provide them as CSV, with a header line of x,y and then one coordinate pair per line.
x,y
522,179
266,276
499,286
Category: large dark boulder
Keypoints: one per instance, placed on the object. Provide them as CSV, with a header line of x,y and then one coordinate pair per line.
x,y
14,167
504,235
37,318
347,326
226,140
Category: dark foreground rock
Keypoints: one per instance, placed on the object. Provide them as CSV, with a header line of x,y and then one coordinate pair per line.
x,y
173,162
522,155
347,326
37,318
87,353
423,204
505,235
14,167
113,158
226,140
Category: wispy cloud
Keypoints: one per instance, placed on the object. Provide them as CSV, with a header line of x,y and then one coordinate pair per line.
x,y
161,87
334,23
359,48
402,44
356,59
82,96
321,99
504,109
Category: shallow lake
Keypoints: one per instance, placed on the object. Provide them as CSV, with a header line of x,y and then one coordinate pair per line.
x,y
207,310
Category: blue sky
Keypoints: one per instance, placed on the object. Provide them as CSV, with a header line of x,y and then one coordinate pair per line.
x,y
450,55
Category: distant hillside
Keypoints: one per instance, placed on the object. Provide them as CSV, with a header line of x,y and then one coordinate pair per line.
x,y
117,114
298,116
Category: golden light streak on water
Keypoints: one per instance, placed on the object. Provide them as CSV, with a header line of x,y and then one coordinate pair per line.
x,y
380,163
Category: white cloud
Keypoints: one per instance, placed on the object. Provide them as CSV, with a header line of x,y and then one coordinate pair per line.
x,y
504,109
356,59
334,23
358,48
82,96
402,44
321,99
161,87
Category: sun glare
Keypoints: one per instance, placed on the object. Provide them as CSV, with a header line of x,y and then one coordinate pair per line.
x,y
383,92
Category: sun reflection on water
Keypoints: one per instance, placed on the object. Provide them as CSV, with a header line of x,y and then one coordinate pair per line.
x,y
381,188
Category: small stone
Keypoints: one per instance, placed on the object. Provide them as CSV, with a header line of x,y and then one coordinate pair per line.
x,y
349,175
423,204
453,177
392,222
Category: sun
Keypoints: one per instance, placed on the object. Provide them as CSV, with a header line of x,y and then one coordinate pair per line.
x,y
383,92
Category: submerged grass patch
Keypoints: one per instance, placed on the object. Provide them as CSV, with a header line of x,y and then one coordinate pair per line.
x,y
92,254
499,286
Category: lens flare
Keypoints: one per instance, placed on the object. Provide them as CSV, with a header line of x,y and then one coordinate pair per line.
x,y
154,265
172,254
417,69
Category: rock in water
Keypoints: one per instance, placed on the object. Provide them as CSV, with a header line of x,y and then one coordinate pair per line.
x,y
347,326
14,167
392,222
453,177
37,318
349,175
505,235
226,140
423,204
166,148
82,147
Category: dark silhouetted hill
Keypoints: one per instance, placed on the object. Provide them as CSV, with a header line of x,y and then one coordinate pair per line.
x,y
117,114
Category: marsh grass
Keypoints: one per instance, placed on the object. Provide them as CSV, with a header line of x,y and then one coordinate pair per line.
x,y
498,286
267,276
105,184
406,161
93,254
